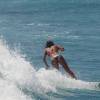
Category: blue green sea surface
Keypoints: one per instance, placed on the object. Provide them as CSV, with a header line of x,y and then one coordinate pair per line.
x,y
25,26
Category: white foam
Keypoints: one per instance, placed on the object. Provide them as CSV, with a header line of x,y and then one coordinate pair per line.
x,y
11,73
54,79
9,91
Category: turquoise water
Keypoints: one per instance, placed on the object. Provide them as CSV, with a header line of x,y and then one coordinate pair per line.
x,y
25,25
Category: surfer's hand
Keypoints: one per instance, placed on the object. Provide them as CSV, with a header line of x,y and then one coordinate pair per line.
x,y
62,49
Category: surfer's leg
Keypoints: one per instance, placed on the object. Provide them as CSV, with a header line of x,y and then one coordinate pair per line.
x,y
65,65
55,63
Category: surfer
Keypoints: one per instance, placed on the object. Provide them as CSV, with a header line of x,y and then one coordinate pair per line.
x,y
52,50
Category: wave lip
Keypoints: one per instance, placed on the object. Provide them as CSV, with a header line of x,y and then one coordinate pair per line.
x,y
13,72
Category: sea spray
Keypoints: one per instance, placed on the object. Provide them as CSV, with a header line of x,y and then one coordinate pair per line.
x,y
11,75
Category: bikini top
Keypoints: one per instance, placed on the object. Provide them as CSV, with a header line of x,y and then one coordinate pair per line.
x,y
50,52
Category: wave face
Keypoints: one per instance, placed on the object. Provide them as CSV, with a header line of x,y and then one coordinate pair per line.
x,y
20,81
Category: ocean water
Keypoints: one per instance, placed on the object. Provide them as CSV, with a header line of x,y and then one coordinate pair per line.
x,y
25,26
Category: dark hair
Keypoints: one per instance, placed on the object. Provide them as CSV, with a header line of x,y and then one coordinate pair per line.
x,y
49,44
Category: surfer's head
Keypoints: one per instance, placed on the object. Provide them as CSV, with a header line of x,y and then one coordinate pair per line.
x,y
49,43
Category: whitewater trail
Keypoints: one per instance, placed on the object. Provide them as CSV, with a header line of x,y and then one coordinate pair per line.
x,y
17,74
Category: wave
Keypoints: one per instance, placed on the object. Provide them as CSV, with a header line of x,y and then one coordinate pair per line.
x,y
20,81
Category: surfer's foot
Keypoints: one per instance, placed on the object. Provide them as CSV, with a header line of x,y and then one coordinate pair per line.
x,y
73,76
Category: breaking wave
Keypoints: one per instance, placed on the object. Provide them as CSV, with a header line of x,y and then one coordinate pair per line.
x,y
20,81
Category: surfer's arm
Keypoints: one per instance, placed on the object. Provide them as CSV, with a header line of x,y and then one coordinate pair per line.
x,y
60,48
45,61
